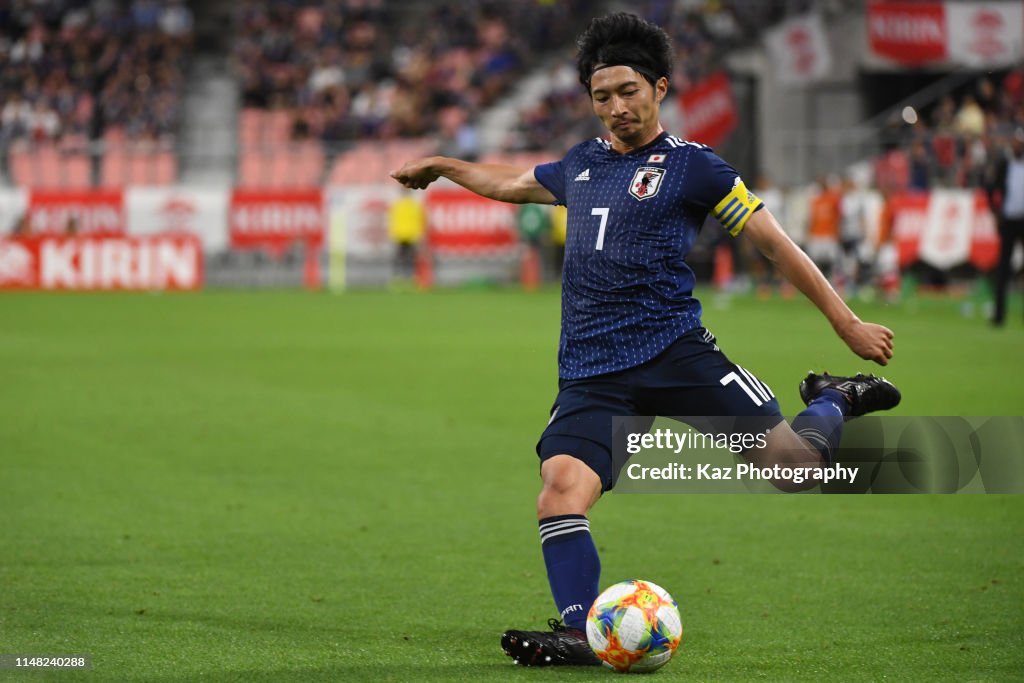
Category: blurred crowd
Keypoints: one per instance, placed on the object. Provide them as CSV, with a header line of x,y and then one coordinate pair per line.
x,y
369,69
703,31
955,142
72,70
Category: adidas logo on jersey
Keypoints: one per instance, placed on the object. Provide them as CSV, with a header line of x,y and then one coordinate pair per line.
x,y
585,175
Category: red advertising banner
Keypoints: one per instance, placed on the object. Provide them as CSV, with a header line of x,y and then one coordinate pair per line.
x,y
80,212
460,221
276,219
945,228
709,110
157,262
908,32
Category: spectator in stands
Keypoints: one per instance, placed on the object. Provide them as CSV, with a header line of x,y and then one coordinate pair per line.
x,y
176,20
16,117
942,147
1013,88
399,68
65,55
44,125
974,163
1005,191
986,96
970,118
922,168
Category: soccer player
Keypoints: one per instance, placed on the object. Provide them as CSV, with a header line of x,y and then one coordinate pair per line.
x,y
1005,191
632,343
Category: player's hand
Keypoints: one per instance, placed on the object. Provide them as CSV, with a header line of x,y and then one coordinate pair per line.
x,y
417,174
869,341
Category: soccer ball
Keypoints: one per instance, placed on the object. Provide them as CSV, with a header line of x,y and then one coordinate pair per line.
x,y
634,626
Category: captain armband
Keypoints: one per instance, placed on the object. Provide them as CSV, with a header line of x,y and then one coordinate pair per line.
x,y
736,208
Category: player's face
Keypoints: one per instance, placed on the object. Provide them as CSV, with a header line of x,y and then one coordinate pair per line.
x,y
627,104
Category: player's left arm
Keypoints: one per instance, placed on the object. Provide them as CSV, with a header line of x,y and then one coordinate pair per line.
x,y
867,340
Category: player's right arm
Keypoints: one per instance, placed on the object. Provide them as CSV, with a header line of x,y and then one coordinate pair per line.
x,y
511,184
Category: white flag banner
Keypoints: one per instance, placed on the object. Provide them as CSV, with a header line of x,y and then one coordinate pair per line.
x,y
983,34
178,209
946,240
798,49
13,205
362,211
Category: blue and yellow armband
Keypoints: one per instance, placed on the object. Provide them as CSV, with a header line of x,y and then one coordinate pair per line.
x,y
736,208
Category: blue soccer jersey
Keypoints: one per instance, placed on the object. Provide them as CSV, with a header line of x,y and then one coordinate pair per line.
x,y
627,292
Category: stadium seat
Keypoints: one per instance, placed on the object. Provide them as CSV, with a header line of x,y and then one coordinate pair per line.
x,y
114,168
138,169
371,162
309,158
281,172
165,170
77,171
251,165
250,124
277,126
20,160
47,169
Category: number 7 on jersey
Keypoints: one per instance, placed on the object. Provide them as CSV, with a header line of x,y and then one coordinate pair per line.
x,y
603,213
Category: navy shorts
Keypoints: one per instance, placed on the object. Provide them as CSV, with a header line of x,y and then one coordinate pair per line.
x,y
692,377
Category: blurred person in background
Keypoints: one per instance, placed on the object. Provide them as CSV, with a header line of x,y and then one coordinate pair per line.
x,y
922,167
1005,191
632,341
852,229
407,223
823,226
970,118
887,262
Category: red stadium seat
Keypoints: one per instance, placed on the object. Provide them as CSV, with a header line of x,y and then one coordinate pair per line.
x,y
77,171
48,168
251,166
20,161
166,168
250,127
277,128
373,162
138,169
114,168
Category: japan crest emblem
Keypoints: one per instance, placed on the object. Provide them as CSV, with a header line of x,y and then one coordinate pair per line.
x,y
646,182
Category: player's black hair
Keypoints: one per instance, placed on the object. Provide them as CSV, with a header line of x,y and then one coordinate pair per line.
x,y
624,39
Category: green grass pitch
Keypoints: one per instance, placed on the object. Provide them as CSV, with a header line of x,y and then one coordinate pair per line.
x,y
300,487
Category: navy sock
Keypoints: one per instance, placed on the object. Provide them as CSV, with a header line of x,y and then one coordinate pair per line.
x,y
573,566
821,423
